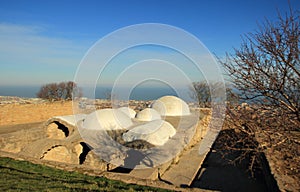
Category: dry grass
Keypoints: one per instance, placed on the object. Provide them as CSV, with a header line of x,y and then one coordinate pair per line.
x,y
12,114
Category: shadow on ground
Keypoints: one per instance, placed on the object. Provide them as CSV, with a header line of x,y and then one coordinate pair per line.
x,y
219,174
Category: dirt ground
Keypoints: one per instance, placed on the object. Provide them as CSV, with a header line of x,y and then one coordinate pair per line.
x,y
12,114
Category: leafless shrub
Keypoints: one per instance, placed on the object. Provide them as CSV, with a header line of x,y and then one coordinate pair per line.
x,y
206,93
266,68
265,71
58,91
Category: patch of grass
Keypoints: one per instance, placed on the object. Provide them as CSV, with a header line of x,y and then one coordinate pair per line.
x,y
26,176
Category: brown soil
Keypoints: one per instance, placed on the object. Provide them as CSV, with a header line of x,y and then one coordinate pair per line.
x,y
12,114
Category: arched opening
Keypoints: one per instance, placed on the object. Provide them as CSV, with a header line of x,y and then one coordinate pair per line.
x,y
85,150
57,130
57,153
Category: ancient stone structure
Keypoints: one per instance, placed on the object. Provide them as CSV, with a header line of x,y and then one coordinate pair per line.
x,y
60,141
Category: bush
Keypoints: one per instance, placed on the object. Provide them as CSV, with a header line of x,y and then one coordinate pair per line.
x,y
58,91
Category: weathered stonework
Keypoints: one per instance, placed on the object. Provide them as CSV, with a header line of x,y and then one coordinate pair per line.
x,y
54,132
58,143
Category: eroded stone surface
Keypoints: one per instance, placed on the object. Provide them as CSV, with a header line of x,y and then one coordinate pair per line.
x,y
60,154
54,132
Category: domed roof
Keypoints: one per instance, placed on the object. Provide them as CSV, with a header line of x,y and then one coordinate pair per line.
x,y
148,114
107,119
171,106
155,132
128,111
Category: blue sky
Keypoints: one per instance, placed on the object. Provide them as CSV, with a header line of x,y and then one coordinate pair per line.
x,y
44,41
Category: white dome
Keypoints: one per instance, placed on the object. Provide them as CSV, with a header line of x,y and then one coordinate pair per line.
x,y
128,111
155,132
107,119
171,106
148,114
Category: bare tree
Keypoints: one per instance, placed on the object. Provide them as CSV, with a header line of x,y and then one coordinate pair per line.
x,y
201,93
266,72
206,93
266,68
59,91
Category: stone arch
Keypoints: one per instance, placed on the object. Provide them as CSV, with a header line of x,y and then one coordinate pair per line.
x,y
87,157
56,130
82,149
58,153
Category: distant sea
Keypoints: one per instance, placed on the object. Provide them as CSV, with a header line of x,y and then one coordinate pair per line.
x,y
140,93
19,91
